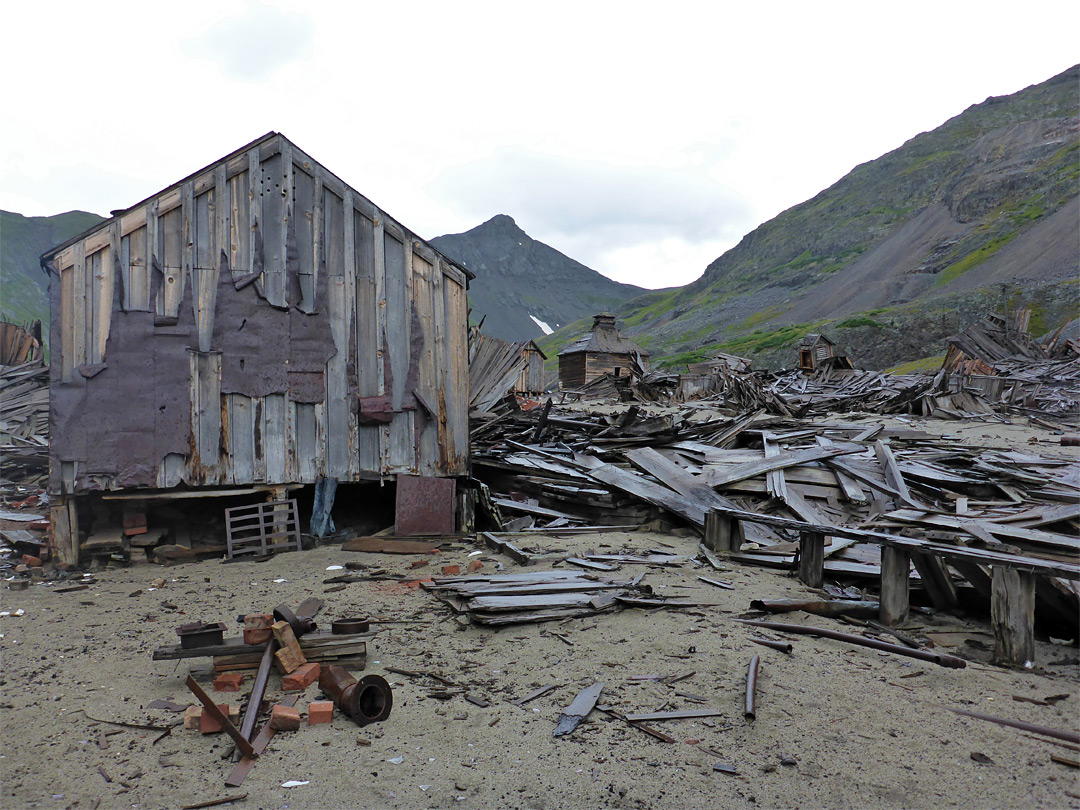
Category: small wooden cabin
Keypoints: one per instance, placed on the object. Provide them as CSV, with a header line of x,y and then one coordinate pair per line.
x,y
531,380
817,351
258,323
601,351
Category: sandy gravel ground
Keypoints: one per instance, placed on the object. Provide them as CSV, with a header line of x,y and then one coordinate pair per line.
x,y
858,728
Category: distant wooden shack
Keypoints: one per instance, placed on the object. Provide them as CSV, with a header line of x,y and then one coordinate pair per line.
x,y
601,351
531,380
258,323
817,351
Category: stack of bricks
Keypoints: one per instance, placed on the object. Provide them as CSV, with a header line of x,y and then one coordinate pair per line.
x,y
257,628
290,657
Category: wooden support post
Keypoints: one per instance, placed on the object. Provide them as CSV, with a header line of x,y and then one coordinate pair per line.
x,y
722,532
936,580
1012,615
895,590
65,526
812,559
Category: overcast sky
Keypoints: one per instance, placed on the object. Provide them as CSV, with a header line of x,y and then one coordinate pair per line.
x,y
643,139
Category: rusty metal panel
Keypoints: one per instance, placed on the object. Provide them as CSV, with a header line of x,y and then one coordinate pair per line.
x,y
424,505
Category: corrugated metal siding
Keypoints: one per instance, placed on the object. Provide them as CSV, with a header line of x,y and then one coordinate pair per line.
x,y
264,237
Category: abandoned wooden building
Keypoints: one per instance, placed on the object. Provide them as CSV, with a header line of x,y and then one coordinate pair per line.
x,y
603,350
817,351
257,324
530,382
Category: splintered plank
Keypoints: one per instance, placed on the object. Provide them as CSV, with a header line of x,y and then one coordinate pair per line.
x,y
893,475
719,477
577,711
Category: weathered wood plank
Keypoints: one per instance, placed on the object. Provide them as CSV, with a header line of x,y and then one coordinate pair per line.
x,y
1012,615
895,585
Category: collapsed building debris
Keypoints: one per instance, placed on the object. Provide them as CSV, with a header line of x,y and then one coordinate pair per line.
x,y
957,516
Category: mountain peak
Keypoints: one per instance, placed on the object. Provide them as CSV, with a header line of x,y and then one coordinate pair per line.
x,y
524,287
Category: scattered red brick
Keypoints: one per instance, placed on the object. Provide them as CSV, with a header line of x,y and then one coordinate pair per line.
x,y
475,565
209,725
419,563
228,682
257,636
320,711
451,570
300,678
191,717
258,621
284,718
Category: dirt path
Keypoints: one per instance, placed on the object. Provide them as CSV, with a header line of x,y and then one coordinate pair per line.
x,y
863,729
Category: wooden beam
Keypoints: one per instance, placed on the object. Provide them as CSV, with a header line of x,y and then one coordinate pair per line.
x,y
1012,615
895,585
722,532
812,559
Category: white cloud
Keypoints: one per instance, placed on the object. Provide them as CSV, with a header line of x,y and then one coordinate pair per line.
x,y
256,44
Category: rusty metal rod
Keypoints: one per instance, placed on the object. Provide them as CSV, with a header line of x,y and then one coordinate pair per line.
x,y
1068,736
221,717
258,689
923,655
822,607
751,688
782,646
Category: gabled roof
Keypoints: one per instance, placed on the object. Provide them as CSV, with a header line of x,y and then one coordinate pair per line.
x,y
269,142
604,338
814,337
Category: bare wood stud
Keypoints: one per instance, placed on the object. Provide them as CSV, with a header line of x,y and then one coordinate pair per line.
x,y
812,559
722,532
895,585
1012,615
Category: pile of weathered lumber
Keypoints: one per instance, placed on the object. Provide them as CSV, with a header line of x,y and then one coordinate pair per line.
x,y
538,596
24,422
581,468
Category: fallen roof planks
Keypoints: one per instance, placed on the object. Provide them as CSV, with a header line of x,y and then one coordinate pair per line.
x,y
836,475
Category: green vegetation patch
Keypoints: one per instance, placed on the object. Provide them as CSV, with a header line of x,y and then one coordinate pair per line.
x,y
930,364
976,257
859,320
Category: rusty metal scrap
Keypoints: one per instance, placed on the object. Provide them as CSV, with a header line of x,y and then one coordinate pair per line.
x,y
782,646
1067,736
366,701
208,702
820,607
937,658
750,710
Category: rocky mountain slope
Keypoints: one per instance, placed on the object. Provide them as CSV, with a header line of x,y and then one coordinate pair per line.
x,y
521,283
23,287
903,251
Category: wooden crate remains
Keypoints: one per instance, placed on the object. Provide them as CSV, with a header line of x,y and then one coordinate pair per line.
x,y
262,528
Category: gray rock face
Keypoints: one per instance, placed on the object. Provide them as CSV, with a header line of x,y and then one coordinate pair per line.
x,y
519,278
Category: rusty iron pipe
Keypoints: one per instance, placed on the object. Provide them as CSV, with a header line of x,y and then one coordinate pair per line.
x,y
368,700
821,607
1067,736
782,646
923,655
751,688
